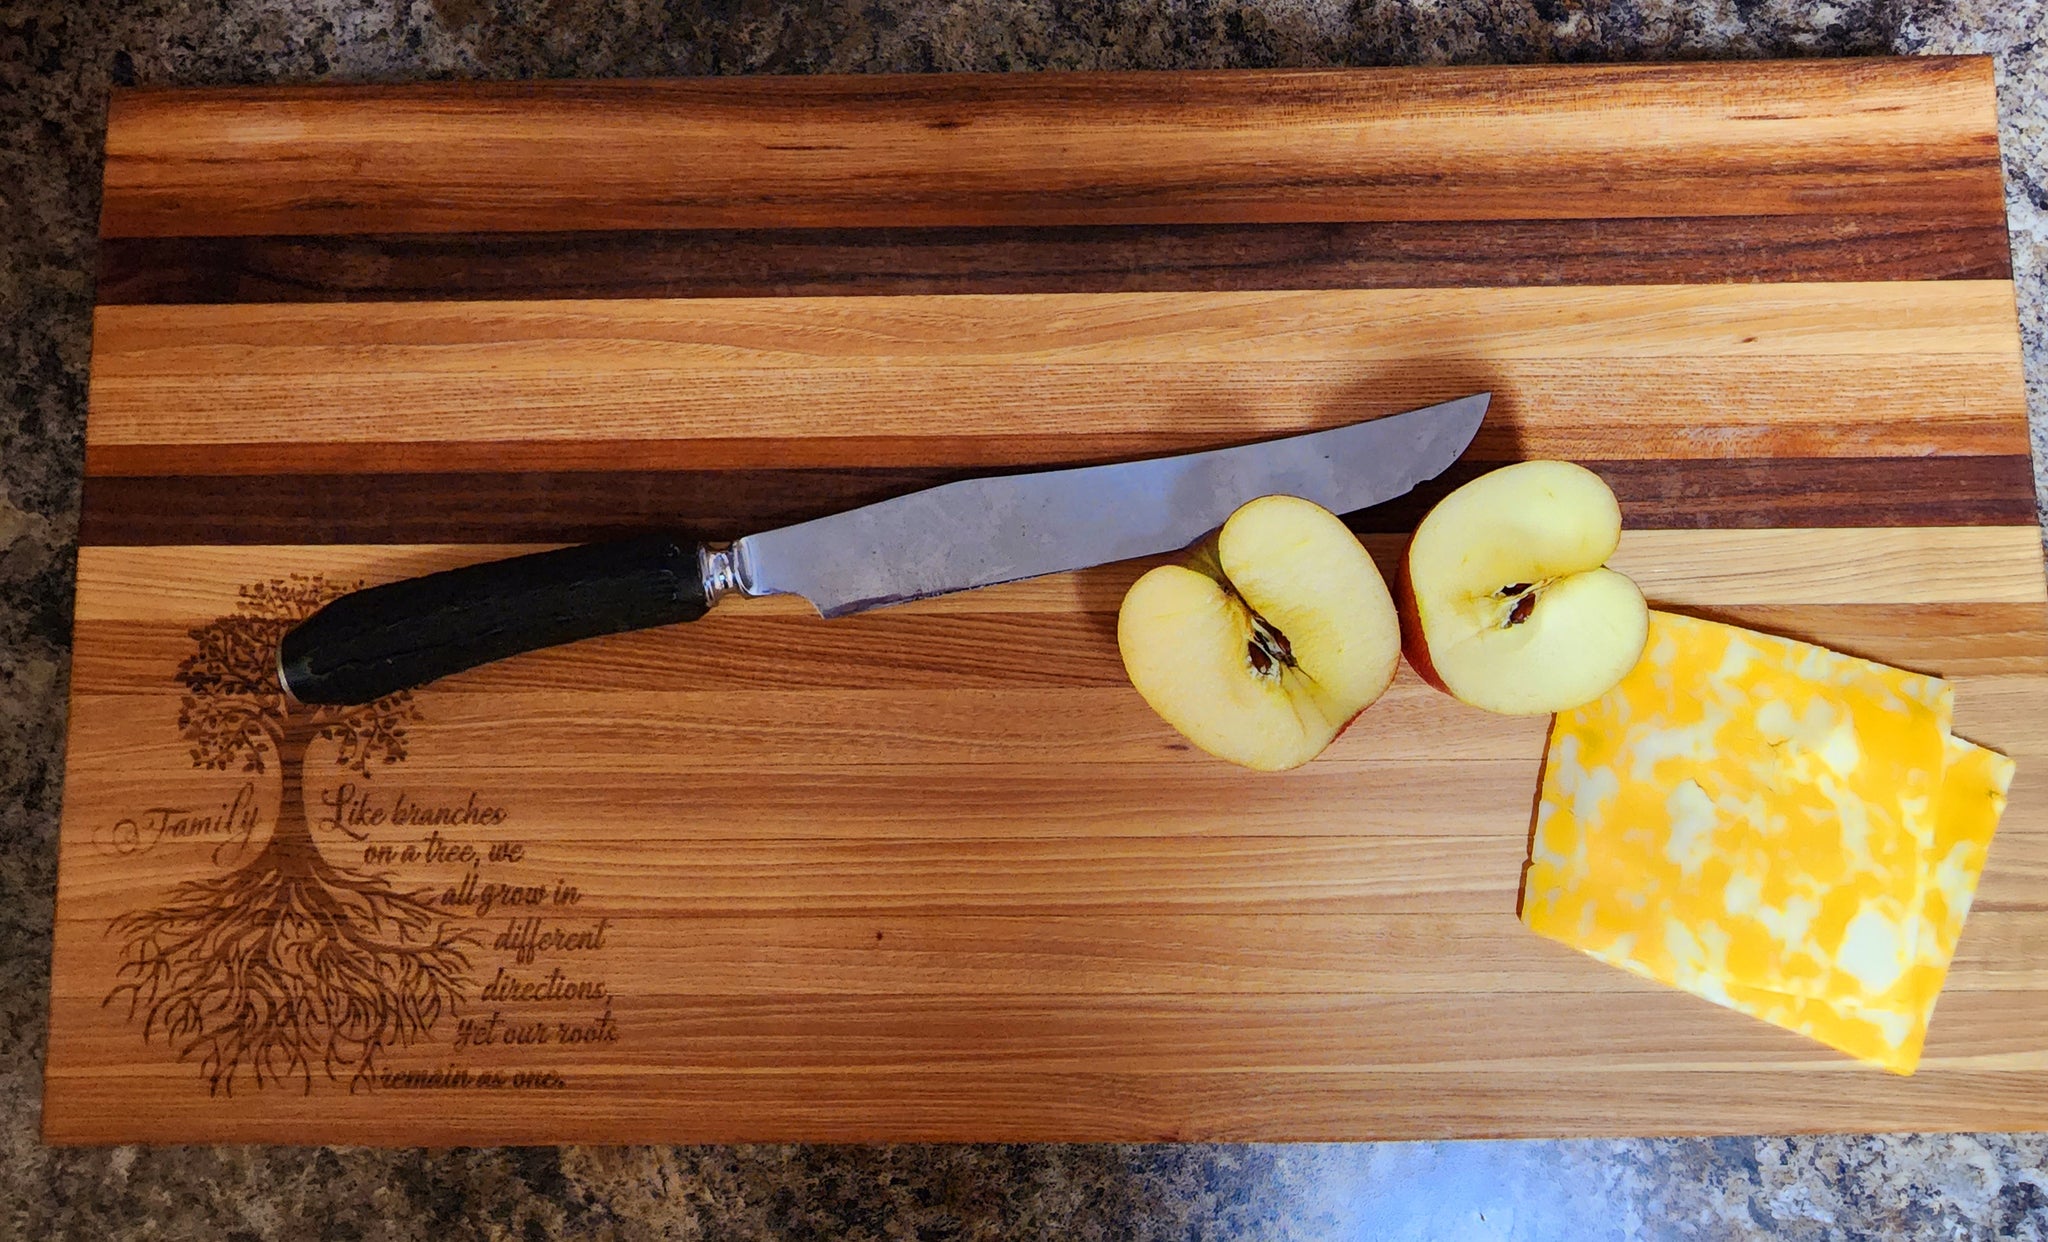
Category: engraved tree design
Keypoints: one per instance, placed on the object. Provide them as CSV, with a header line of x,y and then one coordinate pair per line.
x,y
288,961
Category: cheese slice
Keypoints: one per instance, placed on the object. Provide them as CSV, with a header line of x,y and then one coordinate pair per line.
x,y
1776,827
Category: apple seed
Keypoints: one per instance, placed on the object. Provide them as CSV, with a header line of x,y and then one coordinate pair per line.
x,y
1268,647
1521,598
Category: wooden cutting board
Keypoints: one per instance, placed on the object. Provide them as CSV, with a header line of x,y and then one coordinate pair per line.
x,y
935,872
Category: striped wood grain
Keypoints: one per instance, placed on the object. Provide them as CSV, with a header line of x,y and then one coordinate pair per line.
x,y
935,872
1706,568
1085,259
1770,370
1466,144
1170,954
651,1103
563,506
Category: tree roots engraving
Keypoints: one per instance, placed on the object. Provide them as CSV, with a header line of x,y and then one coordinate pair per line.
x,y
287,963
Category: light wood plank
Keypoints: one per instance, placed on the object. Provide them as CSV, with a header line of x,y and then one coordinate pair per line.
x,y
1898,136
652,1103
770,731
1886,565
1680,568
686,877
1125,955
985,955
741,646
1339,796
1936,319
1578,372
1661,1029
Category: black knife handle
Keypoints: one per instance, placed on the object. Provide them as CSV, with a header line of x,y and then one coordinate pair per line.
x,y
370,643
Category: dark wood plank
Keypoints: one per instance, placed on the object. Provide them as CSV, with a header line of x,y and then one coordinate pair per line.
x,y
1913,136
567,506
1108,259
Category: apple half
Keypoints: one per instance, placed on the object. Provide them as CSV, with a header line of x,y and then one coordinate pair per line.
x,y
1506,600
1271,642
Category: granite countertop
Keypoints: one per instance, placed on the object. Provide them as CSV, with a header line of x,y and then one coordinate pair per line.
x,y
57,64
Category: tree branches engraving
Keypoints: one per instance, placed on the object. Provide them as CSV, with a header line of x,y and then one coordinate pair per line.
x,y
288,963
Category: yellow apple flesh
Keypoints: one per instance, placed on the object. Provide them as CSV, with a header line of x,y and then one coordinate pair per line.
x,y
1264,649
1506,597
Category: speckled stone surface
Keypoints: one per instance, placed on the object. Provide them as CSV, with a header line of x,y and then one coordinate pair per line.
x,y
57,62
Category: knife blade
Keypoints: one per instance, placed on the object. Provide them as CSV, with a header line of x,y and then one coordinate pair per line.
x,y
370,643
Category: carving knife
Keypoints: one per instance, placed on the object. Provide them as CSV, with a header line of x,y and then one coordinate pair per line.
x,y
973,533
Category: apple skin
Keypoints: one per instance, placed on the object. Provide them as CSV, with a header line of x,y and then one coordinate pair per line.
x,y
1413,649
